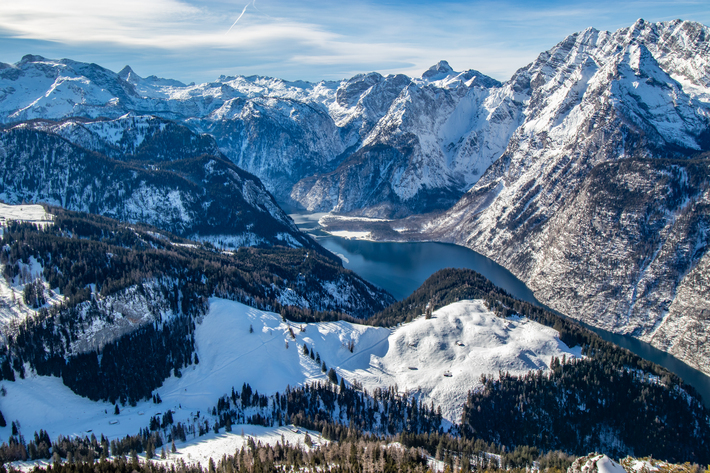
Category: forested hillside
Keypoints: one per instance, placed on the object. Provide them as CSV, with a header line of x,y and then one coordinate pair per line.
x,y
112,275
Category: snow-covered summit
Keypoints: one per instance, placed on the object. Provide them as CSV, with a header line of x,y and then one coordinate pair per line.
x,y
438,71
443,75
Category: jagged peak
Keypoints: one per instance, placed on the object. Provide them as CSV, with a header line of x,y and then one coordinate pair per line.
x,y
127,72
32,58
438,71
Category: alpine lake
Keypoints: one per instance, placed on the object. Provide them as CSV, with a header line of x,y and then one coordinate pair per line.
x,y
400,268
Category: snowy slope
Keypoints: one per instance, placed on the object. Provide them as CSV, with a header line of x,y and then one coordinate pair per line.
x,y
284,132
12,311
230,355
464,340
598,203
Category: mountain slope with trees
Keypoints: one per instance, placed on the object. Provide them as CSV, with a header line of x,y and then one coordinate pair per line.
x,y
107,272
196,196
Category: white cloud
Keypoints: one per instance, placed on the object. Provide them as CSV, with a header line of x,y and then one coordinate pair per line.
x,y
314,39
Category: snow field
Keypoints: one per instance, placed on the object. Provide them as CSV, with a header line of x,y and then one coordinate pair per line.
x,y
216,446
352,235
32,213
462,339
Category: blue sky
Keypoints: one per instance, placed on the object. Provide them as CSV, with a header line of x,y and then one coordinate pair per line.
x,y
198,41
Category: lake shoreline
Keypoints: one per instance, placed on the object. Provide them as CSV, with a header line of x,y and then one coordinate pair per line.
x,y
401,265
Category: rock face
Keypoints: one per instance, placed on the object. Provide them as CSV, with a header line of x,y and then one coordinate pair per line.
x,y
202,197
434,139
422,142
600,201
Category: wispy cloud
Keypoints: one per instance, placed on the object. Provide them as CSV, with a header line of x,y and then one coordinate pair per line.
x,y
196,39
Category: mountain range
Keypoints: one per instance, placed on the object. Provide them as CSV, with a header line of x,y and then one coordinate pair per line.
x,y
586,175
600,201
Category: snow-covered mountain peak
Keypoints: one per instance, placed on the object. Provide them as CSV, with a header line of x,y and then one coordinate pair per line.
x,y
128,75
27,58
438,71
442,75
146,85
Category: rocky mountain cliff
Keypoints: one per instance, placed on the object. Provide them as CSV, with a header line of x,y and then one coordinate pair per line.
x,y
159,175
600,200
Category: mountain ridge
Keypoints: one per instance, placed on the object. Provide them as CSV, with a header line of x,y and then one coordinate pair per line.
x,y
602,117
502,167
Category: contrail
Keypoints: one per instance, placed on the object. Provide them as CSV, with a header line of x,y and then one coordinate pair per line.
x,y
253,3
240,17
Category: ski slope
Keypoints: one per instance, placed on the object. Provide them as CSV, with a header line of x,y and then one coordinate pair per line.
x,y
463,340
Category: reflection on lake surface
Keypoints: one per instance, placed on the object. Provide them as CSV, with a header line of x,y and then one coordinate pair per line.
x,y
400,268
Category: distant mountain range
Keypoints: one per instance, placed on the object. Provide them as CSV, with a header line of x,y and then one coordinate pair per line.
x,y
585,174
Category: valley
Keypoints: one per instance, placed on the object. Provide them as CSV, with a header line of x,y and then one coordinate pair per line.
x,y
401,266
434,271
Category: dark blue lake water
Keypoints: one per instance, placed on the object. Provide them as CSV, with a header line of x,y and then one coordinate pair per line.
x,y
400,268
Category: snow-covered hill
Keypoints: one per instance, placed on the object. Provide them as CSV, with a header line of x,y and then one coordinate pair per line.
x,y
462,339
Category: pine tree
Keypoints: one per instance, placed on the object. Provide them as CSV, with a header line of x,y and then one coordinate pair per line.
x,y
2,420
116,410
333,376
